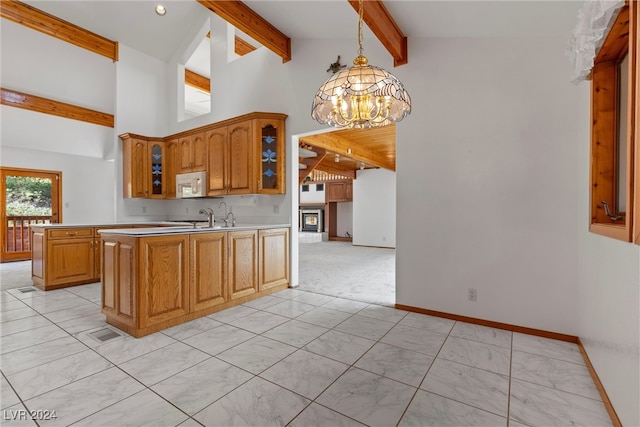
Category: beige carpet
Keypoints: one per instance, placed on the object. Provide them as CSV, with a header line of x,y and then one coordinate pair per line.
x,y
353,272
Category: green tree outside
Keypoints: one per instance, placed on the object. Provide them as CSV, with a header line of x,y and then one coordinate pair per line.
x,y
28,196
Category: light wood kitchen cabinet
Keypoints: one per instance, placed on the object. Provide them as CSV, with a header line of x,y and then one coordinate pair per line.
x,y
338,192
243,263
154,282
241,155
274,258
119,300
163,278
72,257
143,167
172,148
230,159
63,257
270,158
208,270
67,256
134,167
193,153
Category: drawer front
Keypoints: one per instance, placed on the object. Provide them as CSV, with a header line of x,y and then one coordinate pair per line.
x,y
70,233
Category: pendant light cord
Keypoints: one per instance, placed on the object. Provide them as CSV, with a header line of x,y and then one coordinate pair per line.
x,y
360,13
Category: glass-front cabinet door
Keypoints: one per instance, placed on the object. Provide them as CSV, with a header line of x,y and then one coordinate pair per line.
x,y
270,169
156,170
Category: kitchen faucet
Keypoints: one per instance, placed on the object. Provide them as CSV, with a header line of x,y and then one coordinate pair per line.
x,y
226,215
233,220
209,213
225,207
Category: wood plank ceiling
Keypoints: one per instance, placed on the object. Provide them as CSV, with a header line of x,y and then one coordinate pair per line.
x,y
355,149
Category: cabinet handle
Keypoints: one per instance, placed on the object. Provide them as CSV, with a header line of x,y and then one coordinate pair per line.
x,y
69,233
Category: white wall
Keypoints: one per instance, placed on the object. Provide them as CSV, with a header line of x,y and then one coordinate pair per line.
x,y
87,183
609,298
313,195
344,218
487,182
374,208
41,65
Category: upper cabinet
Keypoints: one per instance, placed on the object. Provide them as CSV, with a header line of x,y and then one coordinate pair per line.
x,y
242,155
230,159
172,148
193,153
270,163
144,161
339,191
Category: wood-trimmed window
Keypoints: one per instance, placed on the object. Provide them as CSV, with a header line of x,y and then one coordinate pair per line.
x,y
615,210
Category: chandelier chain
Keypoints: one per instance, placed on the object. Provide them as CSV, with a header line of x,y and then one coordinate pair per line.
x,y
362,96
360,14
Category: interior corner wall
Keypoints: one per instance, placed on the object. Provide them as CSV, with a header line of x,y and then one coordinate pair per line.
x,y
487,182
374,208
87,183
32,140
609,297
142,107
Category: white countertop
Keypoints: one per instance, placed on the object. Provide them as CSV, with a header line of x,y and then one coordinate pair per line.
x,y
183,229
112,224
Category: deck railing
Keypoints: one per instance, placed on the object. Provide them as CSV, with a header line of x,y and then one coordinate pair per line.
x,y
18,236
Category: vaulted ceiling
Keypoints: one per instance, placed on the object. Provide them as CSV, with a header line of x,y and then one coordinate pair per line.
x,y
136,24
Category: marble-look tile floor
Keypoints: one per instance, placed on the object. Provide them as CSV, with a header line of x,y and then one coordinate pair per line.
x,y
292,358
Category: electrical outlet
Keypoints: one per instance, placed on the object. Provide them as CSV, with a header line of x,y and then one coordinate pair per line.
x,y
473,294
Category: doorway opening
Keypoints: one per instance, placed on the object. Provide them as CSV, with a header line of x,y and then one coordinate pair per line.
x,y
343,244
27,197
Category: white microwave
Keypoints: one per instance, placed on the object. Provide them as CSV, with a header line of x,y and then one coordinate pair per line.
x,y
190,185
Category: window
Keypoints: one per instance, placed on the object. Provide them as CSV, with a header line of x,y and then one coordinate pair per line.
x,y
319,187
614,114
305,188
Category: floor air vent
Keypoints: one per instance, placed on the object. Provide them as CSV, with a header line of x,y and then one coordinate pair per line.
x,y
27,290
104,335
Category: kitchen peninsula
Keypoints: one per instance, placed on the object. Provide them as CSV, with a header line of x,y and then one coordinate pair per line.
x,y
155,278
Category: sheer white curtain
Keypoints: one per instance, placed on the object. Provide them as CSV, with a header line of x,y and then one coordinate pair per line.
x,y
594,21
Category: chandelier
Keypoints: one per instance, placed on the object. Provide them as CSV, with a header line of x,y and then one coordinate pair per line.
x,y
362,96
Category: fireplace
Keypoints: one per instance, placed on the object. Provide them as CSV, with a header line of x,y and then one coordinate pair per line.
x,y
311,220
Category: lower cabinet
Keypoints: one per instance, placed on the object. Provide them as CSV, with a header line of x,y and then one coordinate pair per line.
x,y
163,280
274,258
154,282
208,270
243,263
64,257
119,280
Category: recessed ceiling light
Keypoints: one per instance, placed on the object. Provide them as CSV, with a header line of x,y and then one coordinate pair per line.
x,y
160,10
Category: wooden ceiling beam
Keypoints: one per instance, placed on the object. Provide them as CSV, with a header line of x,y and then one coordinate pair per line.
x,y
311,163
245,19
381,23
197,81
242,47
337,144
329,166
50,25
56,108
